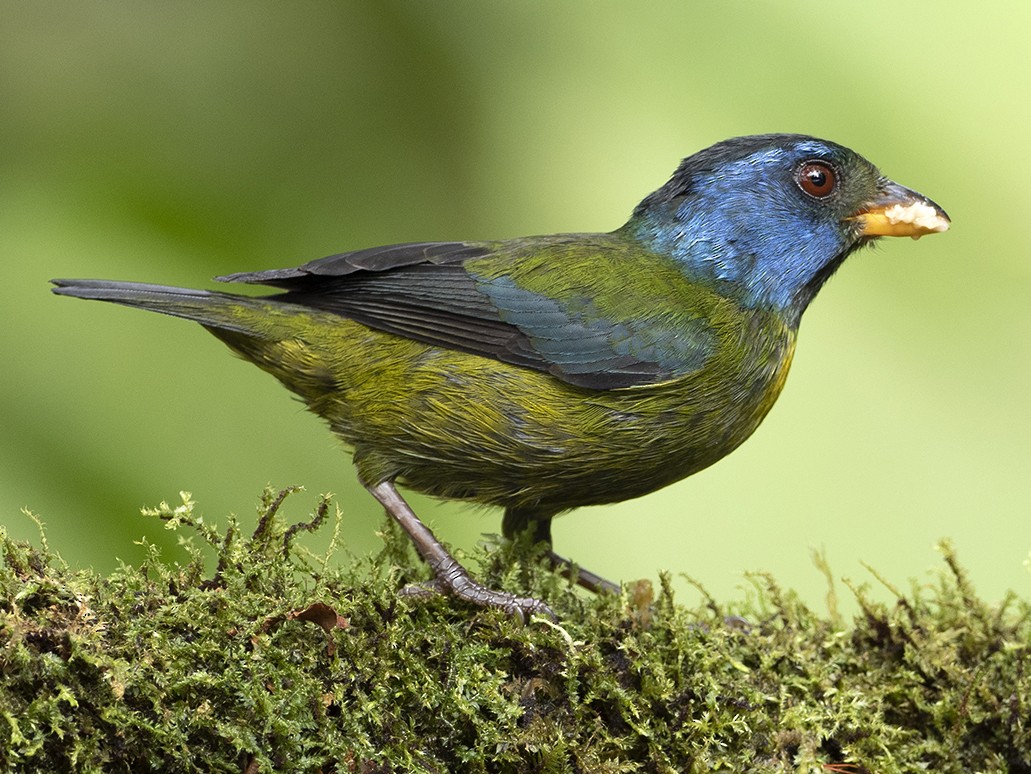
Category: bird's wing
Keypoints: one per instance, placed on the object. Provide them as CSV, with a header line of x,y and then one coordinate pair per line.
x,y
574,306
372,259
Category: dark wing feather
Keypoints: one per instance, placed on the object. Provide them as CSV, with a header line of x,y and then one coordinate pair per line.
x,y
372,259
436,304
424,292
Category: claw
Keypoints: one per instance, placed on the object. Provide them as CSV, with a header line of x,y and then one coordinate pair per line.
x,y
450,577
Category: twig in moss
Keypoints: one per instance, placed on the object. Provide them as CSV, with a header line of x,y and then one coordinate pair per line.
x,y
707,598
307,526
900,600
963,583
182,515
819,557
223,558
270,507
43,544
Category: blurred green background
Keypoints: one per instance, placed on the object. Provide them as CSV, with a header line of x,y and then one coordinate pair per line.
x,y
173,142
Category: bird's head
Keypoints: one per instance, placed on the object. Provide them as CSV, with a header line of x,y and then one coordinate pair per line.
x,y
767,219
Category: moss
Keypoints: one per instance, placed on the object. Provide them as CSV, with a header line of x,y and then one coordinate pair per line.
x,y
277,660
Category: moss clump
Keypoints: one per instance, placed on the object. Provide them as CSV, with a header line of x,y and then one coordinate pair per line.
x,y
278,661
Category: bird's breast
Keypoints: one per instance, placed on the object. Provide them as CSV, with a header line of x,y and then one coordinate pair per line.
x,y
660,434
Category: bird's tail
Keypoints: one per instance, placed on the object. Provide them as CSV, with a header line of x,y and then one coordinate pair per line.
x,y
220,311
294,343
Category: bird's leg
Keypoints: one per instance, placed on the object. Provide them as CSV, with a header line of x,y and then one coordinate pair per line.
x,y
517,520
451,577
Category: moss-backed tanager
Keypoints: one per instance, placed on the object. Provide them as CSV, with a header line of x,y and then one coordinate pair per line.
x,y
545,373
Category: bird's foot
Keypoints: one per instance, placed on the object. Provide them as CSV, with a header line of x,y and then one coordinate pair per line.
x,y
453,580
450,577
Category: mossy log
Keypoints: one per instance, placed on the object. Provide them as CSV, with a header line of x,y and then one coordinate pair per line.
x,y
267,658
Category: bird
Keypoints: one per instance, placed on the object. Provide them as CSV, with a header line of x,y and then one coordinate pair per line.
x,y
546,373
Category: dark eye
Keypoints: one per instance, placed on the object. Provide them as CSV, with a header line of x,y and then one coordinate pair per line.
x,y
817,179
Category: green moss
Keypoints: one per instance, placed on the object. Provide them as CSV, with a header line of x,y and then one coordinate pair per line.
x,y
279,661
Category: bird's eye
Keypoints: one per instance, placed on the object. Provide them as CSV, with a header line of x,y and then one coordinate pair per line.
x,y
817,179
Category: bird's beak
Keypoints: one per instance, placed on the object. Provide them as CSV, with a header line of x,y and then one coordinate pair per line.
x,y
898,211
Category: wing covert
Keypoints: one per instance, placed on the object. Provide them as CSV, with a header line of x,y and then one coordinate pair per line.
x,y
469,296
